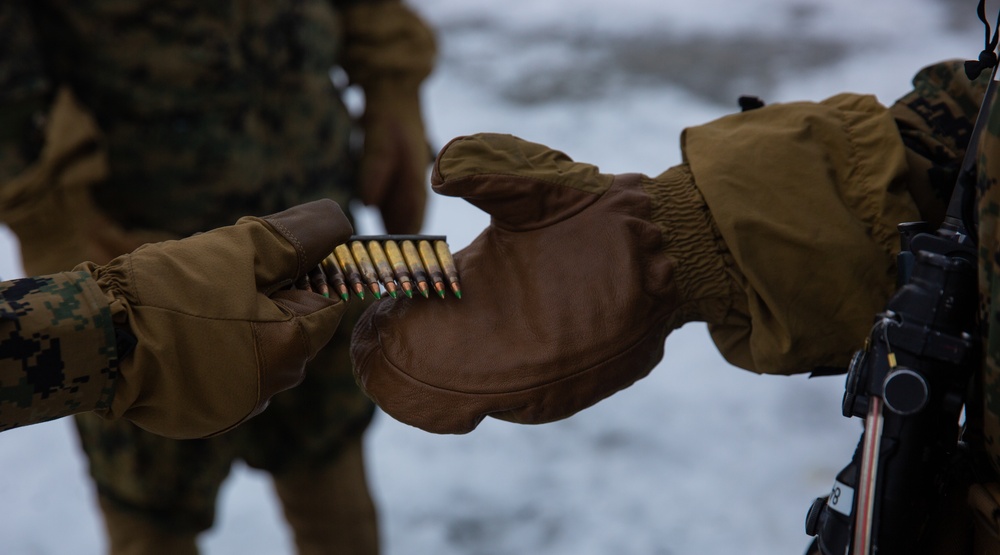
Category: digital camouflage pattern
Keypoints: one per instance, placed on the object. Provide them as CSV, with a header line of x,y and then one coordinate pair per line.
x,y
948,104
936,121
988,174
57,352
210,111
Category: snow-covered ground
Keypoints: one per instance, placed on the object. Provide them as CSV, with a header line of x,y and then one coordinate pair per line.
x,y
699,457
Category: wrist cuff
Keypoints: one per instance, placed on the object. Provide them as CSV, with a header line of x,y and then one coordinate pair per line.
x,y
704,270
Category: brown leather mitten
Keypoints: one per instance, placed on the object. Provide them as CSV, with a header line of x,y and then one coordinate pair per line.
x,y
567,296
218,329
389,51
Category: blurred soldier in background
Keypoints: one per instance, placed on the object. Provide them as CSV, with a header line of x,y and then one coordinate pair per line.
x,y
181,117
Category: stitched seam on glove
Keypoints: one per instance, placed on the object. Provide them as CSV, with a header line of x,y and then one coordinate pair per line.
x,y
291,238
592,198
299,328
287,318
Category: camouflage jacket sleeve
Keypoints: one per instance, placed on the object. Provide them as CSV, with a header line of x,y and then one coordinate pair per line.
x,y
25,90
935,120
988,176
57,353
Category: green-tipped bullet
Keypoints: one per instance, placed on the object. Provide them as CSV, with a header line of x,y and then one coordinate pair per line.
x,y
350,268
399,269
367,268
417,270
433,267
382,267
335,276
448,266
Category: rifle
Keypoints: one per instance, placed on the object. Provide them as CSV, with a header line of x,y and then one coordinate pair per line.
x,y
911,379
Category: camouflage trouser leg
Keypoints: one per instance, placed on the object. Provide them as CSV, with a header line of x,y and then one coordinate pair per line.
x,y
330,510
130,533
173,485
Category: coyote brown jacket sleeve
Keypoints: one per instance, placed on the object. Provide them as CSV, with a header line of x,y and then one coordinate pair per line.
x,y
807,197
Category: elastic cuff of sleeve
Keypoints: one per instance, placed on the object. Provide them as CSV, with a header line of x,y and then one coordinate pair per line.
x,y
705,274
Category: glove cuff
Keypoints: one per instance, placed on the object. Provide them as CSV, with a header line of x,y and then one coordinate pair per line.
x,y
706,277
388,95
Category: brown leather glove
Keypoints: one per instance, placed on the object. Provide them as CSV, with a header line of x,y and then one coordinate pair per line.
x,y
389,51
218,329
567,298
393,169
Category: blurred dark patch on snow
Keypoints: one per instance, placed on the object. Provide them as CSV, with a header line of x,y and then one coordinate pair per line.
x,y
534,65
558,68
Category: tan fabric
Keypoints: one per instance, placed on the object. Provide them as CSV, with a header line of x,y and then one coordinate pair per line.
x,y
49,205
807,197
221,296
568,295
389,52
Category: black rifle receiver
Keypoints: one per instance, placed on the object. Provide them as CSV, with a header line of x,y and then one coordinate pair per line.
x,y
910,383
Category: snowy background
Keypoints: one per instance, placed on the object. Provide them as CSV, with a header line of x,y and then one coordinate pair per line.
x,y
698,458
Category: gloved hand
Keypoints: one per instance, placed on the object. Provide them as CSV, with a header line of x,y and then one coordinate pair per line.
x,y
393,167
389,51
567,297
218,329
